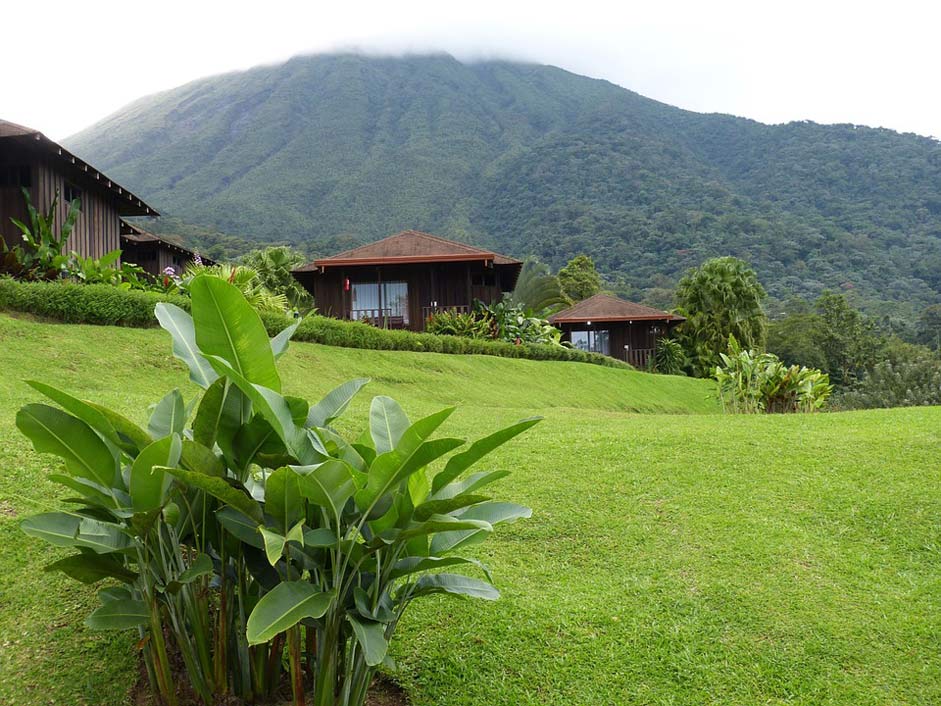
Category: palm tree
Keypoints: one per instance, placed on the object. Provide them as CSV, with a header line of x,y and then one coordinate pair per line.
x,y
536,289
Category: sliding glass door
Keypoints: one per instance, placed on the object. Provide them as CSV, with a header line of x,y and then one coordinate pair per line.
x,y
383,303
593,341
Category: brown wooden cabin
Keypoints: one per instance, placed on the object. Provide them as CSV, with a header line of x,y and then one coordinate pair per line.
x,y
614,327
153,253
30,159
400,281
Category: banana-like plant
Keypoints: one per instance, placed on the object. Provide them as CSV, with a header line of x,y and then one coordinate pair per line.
x,y
256,535
43,255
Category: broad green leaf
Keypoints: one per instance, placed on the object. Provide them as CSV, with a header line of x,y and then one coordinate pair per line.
x,y
320,537
469,484
283,607
491,512
119,615
91,568
274,544
443,507
444,523
279,344
256,437
101,537
456,584
196,457
133,438
460,462
412,437
283,499
275,409
333,405
179,324
92,492
416,564
148,487
390,469
328,485
201,566
228,327
220,489
241,526
57,528
168,417
81,409
54,431
387,423
371,637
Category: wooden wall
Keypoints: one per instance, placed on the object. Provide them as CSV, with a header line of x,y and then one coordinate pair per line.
x,y
639,335
97,230
448,284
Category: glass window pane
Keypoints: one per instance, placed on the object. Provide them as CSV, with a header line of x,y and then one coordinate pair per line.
x,y
365,300
395,300
580,340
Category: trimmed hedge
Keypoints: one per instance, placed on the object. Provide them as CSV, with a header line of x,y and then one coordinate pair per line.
x,y
104,304
84,303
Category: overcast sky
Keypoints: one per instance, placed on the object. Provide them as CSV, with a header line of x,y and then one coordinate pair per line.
x,y
68,64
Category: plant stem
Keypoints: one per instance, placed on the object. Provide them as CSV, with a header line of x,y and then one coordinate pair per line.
x,y
297,669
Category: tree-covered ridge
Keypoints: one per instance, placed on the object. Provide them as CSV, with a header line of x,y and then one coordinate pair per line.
x,y
329,151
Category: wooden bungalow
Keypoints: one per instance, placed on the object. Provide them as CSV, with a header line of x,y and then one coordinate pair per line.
x,y
30,160
153,253
400,281
614,327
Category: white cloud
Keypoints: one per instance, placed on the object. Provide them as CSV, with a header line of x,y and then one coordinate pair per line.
x,y
68,65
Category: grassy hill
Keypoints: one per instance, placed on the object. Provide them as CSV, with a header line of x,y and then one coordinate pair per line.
x,y
671,558
332,150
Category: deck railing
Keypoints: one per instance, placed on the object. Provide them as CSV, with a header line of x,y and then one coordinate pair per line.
x,y
383,318
638,357
428,311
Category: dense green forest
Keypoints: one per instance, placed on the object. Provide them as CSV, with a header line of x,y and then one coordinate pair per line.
x,y
328,151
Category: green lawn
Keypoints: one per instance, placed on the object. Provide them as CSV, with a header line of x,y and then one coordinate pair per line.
x,y
671,558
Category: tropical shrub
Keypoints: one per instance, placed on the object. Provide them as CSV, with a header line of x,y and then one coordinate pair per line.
x,y
511,324
106,270
455,323
273,265
251,534
244,278
669,357
41,257
751,382
721,298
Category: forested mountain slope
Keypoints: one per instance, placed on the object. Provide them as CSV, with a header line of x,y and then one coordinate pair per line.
x,y
332,150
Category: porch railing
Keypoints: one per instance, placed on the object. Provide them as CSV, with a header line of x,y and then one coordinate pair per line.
x,y
383,318
638,357
428,311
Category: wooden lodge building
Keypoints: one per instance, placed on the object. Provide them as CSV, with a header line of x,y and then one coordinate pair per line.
x,y
614,327
30,160
400,281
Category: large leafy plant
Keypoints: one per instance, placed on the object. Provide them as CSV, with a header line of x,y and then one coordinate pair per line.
x,y
242,536
41,256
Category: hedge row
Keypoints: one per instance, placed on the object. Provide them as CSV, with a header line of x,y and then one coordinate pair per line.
x,y
104,304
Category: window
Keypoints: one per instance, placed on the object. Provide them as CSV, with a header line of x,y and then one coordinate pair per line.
x,y
593,341
15,176
372,300
71,192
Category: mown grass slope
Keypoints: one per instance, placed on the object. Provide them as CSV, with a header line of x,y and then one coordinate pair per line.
x,y
671,558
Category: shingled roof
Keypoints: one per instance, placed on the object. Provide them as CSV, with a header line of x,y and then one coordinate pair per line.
x,y
127,203
409,246
604,307
133,234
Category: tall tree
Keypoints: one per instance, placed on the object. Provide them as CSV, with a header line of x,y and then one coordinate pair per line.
x,y
849,342
929,327
719,299
579,278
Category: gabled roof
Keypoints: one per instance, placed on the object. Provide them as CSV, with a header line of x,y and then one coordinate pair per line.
x,y
409,246
127,203
604,307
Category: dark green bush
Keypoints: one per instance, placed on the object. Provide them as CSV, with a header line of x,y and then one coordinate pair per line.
x,y
84,303
104,304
